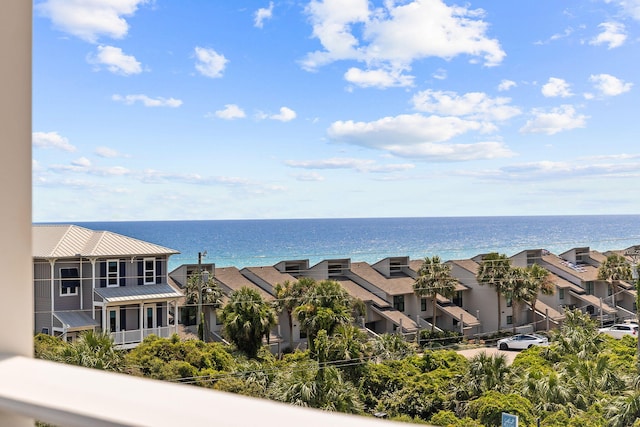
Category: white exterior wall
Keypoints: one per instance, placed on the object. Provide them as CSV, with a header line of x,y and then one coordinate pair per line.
x,y
482,300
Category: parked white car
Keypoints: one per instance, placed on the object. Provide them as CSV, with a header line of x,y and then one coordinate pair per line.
x,y
619,330
522,341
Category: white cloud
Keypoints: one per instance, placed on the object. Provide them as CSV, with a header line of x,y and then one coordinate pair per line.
x,y
309,177
417,136
613,35
474,105
82,162
147,101
115,60
209,62
51,140
88,20
506,85
262,14
360,165
107,152
394,36
556,87
630,7
551,170
231,112
377,78
285,115
609,85
557,120
439,74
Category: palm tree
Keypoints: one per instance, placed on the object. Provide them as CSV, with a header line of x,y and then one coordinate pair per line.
x,y
539,283
392,347
493,271
210,292
518,284
325,306
289,297
614,269
246,319
624,410
434,278
348,349
486,372
94,350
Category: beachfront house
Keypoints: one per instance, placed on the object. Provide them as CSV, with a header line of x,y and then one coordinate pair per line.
x,y
99,280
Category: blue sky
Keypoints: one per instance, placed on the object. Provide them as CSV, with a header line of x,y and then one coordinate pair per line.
x,y
190,109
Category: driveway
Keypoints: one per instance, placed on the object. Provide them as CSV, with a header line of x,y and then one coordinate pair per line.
x,y
490,351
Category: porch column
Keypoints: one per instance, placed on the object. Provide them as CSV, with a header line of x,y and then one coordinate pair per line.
x,y
52,263
141,310
93,287
175,316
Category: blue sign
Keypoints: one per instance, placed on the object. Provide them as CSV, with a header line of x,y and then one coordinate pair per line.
x,y
509,420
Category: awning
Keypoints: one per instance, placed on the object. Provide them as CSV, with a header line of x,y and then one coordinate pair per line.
x,y
137,293
456,312
397,318
75,320
543,309
594,301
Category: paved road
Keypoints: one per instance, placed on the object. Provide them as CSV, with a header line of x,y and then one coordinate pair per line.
x,y
509,354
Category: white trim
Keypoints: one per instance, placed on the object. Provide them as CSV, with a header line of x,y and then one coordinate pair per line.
x,y
152,271
60,279
154,319
115,310
108,273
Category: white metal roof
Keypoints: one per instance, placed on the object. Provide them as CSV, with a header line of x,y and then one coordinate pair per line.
x,y
65,241
74,320
137,293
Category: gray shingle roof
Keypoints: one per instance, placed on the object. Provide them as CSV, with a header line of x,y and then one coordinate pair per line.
x,y
65,241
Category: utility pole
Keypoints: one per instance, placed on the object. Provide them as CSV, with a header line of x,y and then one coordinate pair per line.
x,y
200,284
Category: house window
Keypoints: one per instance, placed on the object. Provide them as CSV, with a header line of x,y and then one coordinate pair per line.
x,y
423,304
113,272
509,301
398,302
509,320
149,271
149,320
561,293
457,299
113,321
69,281
589,288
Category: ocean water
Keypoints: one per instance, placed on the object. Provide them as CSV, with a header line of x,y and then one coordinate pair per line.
x,y
244,243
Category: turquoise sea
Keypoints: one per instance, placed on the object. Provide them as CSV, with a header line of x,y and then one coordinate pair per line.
x,y
244,243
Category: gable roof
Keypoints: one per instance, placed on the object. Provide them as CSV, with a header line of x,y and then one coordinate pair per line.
x,y
234,280
70,241
391,285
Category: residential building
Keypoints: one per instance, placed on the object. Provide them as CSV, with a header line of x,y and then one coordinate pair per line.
x,y
87,280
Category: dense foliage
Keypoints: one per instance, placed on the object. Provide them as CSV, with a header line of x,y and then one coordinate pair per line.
x,y
581,379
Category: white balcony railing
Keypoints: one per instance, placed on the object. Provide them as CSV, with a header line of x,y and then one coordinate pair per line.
x,y
134,336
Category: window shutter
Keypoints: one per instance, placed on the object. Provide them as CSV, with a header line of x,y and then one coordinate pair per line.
x,y
123,276
141,272
158,271
159,315
103,274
